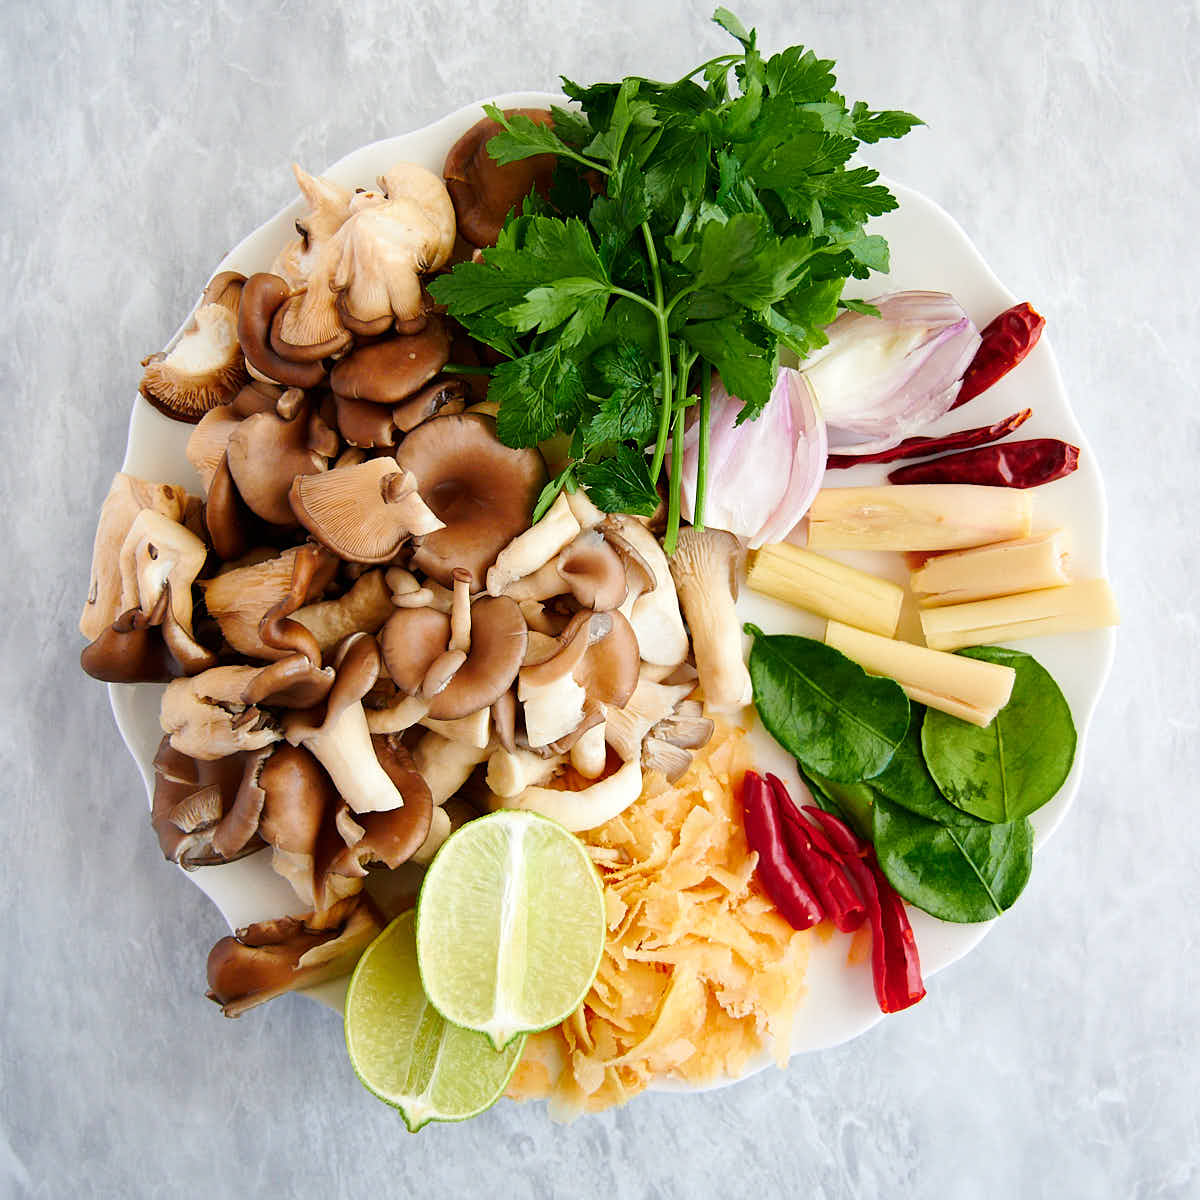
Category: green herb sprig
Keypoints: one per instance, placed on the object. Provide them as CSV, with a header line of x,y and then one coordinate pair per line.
x,y
692,227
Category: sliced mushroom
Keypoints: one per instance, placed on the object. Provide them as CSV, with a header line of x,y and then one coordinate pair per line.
x,y
482,490
205,367
654,613
337,734
127,496
472,730
485,191
266,959
206,717
704,567
364,513
391,371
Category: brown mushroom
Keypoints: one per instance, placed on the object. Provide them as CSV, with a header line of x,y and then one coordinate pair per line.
x,y
484,191
362,513
208,441
194,808
262,297
440,398
267,452
205,367
269,958
592,571
410,642
131,649
226,517
481,489
364,424
392,370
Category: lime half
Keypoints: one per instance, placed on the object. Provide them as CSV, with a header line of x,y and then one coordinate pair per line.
x,y
510,925
401,1048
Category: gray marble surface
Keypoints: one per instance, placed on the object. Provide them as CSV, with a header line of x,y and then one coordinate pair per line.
x,y
1060,1059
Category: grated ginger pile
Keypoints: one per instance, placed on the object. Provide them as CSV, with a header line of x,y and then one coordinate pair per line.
x,y
699,968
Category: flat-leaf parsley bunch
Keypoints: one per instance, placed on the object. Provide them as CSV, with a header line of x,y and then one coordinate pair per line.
x,y
691,226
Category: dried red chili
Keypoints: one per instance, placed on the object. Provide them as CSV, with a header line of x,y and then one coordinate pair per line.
x,y
1003,344
819,863
764,833
1015,464
895,964
918,447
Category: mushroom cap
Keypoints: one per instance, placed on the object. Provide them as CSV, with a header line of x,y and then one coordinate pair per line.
x,y
481,489
442,397
484,191
593,571
292,682
205,367
362,513
498,639
265,454
364,424
131,650
206,717
208,441
392,370
599,651
411,641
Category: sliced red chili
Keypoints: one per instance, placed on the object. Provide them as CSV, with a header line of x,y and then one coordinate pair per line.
x,y
919,447
1014,464
817,861
1003,344
764,833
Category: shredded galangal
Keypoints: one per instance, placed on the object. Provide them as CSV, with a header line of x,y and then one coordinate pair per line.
x,y
700,971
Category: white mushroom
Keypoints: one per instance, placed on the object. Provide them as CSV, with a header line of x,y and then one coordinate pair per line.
x,y
627,727
593,806
704,567
440,829
328,208
510,772
157,553
205,716
474,730
586,513
589,754
534,548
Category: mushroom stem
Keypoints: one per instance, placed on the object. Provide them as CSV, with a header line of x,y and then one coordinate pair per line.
x,y
533,548
593,806
344,750
460,612
446,765
404,714
590,752
439,831
510,772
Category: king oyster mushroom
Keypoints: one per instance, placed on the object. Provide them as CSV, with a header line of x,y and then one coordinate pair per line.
x,y
485,191
205,367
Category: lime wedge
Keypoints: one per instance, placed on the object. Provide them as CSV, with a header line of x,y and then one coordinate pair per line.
x,y
510,925
404,1052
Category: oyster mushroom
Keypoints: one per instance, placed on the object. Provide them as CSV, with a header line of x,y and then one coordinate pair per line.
x,y
131,649
510,772
443,397
205,367
533,548
157,554
226,517
650,703
268,451
362,609
446,765
239,598
268,958
704,567
387,244
578,811
328,207
363,513
263,296
127,496
481,490
592,571
209,440
654,611
485,191
205,716
337,734
390,371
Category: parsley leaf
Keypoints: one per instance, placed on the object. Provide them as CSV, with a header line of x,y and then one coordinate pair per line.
x,y
621,483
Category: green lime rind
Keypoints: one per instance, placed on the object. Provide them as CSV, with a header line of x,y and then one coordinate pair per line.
x,y
404,1052
510,926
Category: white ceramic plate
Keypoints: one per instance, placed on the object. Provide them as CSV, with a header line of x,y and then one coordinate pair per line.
x,y
929,251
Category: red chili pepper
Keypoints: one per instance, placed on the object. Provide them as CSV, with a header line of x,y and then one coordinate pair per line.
x,y
895,964
1003,344
817,861
919,447
764,833
1015,464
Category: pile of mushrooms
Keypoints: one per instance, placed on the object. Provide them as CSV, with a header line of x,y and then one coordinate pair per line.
x,y
364,640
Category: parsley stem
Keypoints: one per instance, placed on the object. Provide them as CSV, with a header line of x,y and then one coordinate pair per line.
x,y
702,460
675,493
664,351
463,369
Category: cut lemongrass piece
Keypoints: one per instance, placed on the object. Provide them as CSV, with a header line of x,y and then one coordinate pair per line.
x,y
966,688
1088,604
917,516
825,587
1002,569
